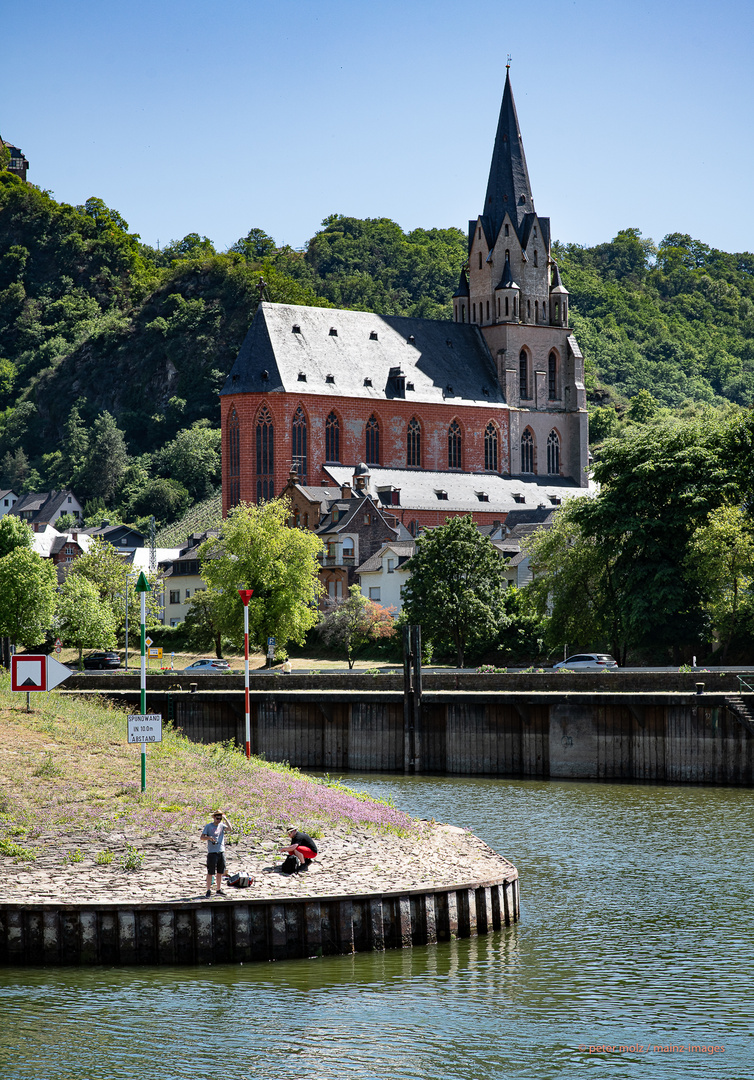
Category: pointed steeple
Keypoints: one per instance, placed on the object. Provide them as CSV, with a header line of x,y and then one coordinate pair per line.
x,y
508,188
463,285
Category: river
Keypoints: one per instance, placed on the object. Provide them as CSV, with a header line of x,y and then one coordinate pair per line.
x,y
636,931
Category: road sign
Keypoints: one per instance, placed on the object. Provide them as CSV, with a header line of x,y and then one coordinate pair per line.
x,y
148,641
271,647
156,654
36,673
145,729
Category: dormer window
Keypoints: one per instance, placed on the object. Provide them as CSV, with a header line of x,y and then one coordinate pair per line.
x,y
265,375
449,390
443,495
333,331
301,376
330,378
482,496
367,381
555,500
518,497
411,339
373,335
409,386
296,328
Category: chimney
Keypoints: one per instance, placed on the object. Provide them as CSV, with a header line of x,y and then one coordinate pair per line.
x,y
346,490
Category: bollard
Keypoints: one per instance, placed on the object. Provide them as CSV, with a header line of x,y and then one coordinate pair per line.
x,y
192,687
700,688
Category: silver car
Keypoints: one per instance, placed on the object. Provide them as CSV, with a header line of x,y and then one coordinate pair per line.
x,y
587,662
208,667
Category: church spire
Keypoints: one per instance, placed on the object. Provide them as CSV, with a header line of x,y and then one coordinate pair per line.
x,y
508,188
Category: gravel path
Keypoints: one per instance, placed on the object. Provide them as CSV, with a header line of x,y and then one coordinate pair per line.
x,y
173,867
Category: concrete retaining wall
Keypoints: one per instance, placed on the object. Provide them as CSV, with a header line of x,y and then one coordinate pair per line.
x,y
677,737
223,932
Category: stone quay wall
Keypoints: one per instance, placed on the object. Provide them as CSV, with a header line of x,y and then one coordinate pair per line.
x,y
676,737
217,933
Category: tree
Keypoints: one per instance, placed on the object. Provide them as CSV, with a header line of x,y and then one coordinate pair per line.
x,y
257,244
353,621
28,585
107,459
83,619
643,407
14,533
721,559
203,621
165,499
193,459
258,550
106,568
456,586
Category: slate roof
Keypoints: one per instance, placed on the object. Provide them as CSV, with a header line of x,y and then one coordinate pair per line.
x,y
443,361
508,181
404,551
418,489
43,504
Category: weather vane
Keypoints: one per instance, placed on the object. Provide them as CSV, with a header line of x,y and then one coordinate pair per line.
x,y
508,65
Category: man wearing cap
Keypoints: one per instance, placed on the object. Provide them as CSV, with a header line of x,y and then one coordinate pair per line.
x,y
302,846
215,832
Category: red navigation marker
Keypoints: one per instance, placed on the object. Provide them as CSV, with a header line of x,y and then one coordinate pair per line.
x,y
36,673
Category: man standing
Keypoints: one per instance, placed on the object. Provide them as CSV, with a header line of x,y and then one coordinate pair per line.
x,y
215,832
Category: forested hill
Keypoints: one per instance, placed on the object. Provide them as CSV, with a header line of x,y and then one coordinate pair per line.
x,y
112,353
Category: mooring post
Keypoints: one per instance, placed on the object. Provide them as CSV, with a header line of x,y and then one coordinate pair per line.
x,y
412,690
416,724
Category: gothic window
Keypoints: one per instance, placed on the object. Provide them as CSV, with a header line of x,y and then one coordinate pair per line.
x,y
265,445
480,260
488,311
535,256
553,452
414,444
299,455
332,438
527,452
473,306
507,230
552,376
373,441
454,446
490,447
234,459
536,311
523,372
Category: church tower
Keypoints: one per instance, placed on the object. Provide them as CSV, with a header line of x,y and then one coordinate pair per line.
x,y
514,293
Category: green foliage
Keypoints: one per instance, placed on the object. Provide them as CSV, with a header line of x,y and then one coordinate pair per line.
x,y
14,533
105,568
133,858
200,518
28,586
84,620
106,460
258,550
165,499
203,624
456,587
193,459
353,621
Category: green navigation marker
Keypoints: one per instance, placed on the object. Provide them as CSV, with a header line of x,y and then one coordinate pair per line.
x,y
142,588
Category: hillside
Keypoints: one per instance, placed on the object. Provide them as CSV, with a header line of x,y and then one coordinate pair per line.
x,y
112,353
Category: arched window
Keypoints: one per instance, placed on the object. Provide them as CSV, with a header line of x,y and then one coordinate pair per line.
x,y
332,438
552,376
373,441
490,447
553,452
414,444
299,455
523,371
234,459
454,446
265,445
527,452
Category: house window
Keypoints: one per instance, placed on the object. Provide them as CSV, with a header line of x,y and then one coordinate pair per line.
x,y
553,452
523,372
454,445
490,447
265,438
347,550
188,594
332,438
299,458
234,459
175,596
552,375
527,452
391,566
373,441
374,593
174,622
414,444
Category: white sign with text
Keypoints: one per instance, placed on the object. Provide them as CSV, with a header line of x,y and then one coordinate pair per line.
x,y
145,729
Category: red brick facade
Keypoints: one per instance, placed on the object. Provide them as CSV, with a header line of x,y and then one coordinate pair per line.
x,y
393,417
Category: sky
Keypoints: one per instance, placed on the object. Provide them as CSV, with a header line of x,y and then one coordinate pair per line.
x,y
220,117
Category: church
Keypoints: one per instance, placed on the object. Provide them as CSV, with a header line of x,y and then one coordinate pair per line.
x,y
478,415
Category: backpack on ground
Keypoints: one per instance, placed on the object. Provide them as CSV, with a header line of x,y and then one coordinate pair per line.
x,y
289,865
240,881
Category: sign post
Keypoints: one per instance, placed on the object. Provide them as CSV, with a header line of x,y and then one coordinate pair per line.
x,y
35,672
142,588
246,595
270,651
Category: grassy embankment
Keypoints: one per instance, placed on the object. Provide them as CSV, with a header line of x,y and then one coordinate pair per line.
x,y
66,766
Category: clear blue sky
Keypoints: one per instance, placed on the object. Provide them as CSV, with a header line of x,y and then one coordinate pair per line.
x,y
216,117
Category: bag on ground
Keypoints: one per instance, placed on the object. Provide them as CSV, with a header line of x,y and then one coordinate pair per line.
x,y
290,865
240,881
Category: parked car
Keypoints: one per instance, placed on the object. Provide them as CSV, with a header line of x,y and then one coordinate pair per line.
x,y
208,667
100,661
587,662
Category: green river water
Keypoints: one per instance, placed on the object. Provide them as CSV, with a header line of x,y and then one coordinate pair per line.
x,y
636,931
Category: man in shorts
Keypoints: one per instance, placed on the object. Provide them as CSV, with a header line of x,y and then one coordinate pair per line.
x,y
302,846
215,832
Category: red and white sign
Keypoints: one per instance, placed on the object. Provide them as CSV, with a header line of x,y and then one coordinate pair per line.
x,y
37,673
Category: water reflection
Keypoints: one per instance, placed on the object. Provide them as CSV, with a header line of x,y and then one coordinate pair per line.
x,y
635,929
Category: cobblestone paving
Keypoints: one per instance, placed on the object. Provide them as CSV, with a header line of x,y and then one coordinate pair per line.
x,y
173,867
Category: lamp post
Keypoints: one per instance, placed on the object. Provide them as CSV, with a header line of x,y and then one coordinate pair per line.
x,y
246,595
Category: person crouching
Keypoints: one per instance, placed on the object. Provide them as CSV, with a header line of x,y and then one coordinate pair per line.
x,y
302,846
